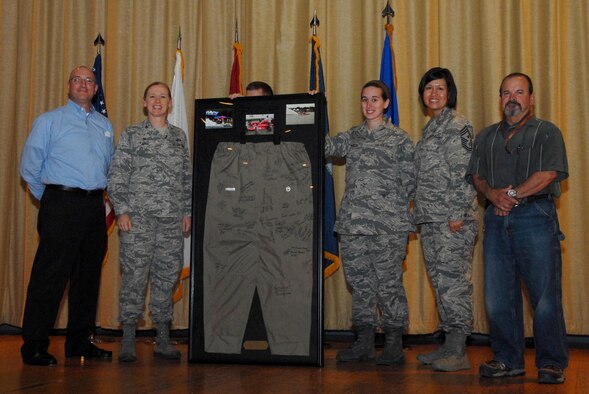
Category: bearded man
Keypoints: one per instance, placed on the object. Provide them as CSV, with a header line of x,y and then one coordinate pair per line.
x,y
517,164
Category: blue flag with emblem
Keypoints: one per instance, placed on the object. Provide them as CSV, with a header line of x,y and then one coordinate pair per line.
x,y
388,74
331,260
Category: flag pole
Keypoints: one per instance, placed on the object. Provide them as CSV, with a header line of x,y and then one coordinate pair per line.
x,y
388,73
235,80
388,12
317,57
330,257
314,23
98,43
236,31
177,117
99,104
98,101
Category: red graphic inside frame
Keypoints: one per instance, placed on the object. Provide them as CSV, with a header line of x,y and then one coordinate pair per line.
x,y
259,124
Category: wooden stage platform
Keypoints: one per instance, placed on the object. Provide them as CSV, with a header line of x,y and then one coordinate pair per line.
x,y
149,375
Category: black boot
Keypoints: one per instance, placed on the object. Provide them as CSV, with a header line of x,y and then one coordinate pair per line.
x,y
362,348
127,353
393,347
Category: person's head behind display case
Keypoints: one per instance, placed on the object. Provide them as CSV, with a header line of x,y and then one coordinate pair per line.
x,y
258,88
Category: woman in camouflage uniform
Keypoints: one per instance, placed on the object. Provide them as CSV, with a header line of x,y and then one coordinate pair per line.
x,y
150,185
445,209
374,223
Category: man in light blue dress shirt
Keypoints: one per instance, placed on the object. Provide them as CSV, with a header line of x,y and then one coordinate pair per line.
x,y
65,163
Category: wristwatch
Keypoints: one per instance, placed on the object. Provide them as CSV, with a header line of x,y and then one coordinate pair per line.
x,y
513,194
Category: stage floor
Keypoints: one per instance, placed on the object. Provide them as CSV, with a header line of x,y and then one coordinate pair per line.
x,y
149,375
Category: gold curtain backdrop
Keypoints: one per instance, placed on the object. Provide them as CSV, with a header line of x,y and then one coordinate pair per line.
x,y
480,41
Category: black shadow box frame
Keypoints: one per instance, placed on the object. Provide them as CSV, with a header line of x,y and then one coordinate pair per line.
x,y
297,118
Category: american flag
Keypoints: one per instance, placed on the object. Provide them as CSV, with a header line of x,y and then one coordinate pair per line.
x,y
98,101
99,104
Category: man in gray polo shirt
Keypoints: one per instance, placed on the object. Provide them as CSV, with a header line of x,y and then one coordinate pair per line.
x,y
517,164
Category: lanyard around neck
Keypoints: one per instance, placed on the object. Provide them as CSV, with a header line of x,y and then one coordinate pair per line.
x,y
514,130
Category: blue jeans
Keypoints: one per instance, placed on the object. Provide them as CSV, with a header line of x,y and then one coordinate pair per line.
x,y
525,245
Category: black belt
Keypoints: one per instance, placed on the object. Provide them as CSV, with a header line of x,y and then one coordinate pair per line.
x,y
77,190
536,197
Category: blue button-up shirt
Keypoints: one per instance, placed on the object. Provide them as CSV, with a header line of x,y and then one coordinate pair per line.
x,y
68,146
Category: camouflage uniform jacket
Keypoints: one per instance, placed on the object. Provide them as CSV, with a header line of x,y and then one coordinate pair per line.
x,y
380,179
442,157
151,172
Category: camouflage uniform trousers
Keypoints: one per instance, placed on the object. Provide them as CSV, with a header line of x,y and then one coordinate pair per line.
x,y
152,249
448,260
373,265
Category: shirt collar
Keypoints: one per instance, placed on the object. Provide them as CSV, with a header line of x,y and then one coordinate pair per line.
x,y
78,109
147,124
526,118
435,122
378,131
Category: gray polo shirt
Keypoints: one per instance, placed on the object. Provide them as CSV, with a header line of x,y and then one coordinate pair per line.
x,y
537,146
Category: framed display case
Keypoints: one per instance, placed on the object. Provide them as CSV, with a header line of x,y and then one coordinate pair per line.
x,y
256,273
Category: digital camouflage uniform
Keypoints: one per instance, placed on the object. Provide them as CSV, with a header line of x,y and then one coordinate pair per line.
x,y
150,180
443,195
374,219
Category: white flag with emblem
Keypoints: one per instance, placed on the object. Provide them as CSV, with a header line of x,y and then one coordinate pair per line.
x,y
177,117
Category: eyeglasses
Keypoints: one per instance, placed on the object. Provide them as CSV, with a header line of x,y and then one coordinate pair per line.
x,y
78,80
